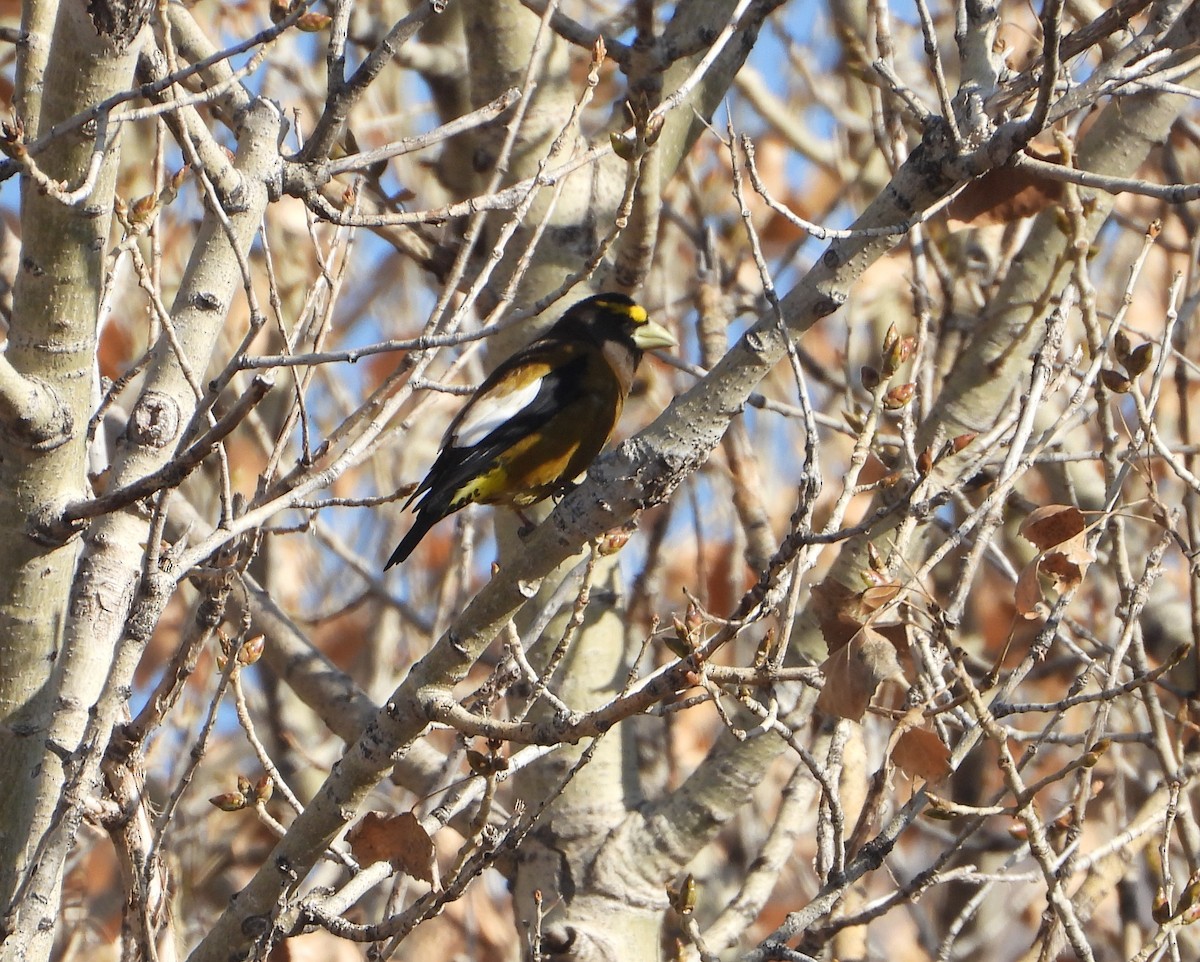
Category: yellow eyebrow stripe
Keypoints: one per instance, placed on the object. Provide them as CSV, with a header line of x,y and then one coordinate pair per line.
x,y
635,312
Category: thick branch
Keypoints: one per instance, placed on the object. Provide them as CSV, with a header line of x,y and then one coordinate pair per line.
x,y
642,471
105,584
46,386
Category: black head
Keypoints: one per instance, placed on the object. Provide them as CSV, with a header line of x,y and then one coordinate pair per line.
x,y
613,317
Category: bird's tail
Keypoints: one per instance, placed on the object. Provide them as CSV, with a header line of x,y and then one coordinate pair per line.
x,y
426,519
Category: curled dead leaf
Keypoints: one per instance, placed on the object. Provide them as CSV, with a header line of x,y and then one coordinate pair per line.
x,y
842,612
1061,570
398,839
1060,532
1052,524
855,671
831,602
1029,590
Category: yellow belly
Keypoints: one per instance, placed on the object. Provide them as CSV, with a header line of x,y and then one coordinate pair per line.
x,y
543,463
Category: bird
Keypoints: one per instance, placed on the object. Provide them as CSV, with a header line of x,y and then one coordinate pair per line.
x,y
541,417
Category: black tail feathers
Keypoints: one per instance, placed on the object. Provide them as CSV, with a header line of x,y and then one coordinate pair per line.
x,y
430,510
425,520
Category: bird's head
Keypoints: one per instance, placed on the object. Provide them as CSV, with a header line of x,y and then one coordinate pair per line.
x,y
608,317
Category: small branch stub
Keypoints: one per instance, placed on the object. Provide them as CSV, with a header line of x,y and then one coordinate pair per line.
x,y
120,20
48,527
31,414
155,420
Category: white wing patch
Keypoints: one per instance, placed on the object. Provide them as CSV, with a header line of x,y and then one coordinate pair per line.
x,y
495,408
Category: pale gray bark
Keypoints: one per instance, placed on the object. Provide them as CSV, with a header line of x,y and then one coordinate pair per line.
x,y
48,391
589,844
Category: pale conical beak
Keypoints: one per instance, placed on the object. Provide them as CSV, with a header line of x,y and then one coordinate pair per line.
x,y
650,335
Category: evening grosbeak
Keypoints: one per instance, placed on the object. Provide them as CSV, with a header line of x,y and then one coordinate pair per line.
x,y
540,418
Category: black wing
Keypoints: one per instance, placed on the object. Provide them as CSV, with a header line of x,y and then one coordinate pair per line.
x,y
456,465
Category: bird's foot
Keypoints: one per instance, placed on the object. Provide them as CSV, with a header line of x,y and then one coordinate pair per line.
x,y
527,525
566,488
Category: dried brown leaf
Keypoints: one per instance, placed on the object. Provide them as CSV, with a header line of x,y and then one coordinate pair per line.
x,y
875,597
398,839
1061,570
831,603
318,946
1076,550
897,634
854,671
1006,194
1064,566
919,753
1052,524
1029,590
